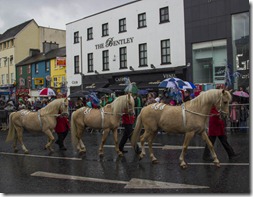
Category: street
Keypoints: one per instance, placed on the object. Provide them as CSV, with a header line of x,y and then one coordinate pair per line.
x,y
66,172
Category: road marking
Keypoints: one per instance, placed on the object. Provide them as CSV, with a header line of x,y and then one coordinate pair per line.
x,y
222,164
175,147
41,156
134,183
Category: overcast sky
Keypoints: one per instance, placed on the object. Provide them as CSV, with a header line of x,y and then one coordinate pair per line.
x,y
50,13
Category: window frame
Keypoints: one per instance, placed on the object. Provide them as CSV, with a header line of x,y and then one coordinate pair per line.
x,y
90,62
123,57
90,33
105,60
76,37
142,21
76,64
105,29
164,15
122,25
143,55
167,50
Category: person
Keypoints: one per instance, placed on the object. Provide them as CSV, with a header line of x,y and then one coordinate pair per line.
x,y
234,117
127,122
62,127
9,106
186,96
216,129
244,114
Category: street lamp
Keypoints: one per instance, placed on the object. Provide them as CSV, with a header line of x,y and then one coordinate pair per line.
x,y
81,61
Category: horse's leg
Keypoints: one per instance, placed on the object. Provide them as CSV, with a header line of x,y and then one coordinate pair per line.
x,y
143,138
104,137
115,136
211,148
150,143
15,144
20,139
50,140
80,145
187,139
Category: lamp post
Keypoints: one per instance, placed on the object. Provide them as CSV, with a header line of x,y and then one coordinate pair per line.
x,y
81,61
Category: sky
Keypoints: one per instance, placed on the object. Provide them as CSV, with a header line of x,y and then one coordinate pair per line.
x,y
50,13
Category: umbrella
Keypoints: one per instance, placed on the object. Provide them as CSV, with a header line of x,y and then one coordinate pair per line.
x,y
142,92
47,92
172,83
241,94
104,90
188,85
81,93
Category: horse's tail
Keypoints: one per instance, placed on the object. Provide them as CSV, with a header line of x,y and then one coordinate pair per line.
x,y
11,132
74,139
136,131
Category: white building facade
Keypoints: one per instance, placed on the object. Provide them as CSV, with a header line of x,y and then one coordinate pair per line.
x,y
143,40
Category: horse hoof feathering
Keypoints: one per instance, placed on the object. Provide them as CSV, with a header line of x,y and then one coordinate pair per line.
x,y
155,161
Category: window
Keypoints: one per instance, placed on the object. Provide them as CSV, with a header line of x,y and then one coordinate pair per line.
x,y
105,30
90,33
7,79
3,79
47,66
123,57
106,60
55,81
29,69
142,20
164,15
122,25
90,62
165,52
36,68
76,37
20,70
143,61
76,64
0,62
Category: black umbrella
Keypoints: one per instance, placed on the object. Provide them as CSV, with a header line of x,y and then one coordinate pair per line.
x,y
104,90
82,93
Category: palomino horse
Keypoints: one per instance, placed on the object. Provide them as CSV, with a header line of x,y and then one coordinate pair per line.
x,y
188,119
107,118
44,120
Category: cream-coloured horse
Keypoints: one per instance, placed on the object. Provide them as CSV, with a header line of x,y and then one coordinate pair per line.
x,y
189,118
107,118
44,120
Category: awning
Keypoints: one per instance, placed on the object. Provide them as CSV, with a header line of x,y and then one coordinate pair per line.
x,y
94,86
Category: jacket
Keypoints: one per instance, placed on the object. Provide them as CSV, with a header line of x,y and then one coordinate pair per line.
x,y
62,124
216,125
127,119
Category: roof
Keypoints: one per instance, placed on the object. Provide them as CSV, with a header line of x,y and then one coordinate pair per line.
x,y
59,52
10,33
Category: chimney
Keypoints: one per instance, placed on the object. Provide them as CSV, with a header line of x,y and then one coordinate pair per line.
x,y
48,46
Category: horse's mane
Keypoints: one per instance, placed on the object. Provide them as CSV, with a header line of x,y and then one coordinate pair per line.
x,y
120,103
210,96
52,107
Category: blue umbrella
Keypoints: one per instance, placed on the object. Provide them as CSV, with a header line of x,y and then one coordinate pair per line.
x,y
172,83
188,85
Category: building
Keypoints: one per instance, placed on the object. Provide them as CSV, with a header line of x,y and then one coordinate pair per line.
x,y
41,70
141,40
217,42
15,45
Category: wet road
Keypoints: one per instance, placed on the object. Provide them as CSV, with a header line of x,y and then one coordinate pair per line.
x,y
67,172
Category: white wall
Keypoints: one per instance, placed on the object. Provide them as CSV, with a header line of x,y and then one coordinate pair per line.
x,y
152,35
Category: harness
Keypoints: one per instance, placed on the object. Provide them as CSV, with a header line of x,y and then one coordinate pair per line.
x,y
199,114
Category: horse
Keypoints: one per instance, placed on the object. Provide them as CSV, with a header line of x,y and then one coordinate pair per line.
x,y
106,118
189,118
44,120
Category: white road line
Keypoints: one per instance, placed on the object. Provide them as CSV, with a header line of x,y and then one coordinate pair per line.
x,y
222,164
134,183
41,156
166,147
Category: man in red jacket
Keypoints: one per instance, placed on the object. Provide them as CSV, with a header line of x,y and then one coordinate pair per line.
x,y
62,127
127,122
217,129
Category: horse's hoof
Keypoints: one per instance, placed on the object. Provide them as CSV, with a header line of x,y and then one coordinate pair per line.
x,y
15,150
155,161
101,154
217,164
120,154
26,152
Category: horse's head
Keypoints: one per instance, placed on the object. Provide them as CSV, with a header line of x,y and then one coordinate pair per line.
x,y
222,104
64,107
130,105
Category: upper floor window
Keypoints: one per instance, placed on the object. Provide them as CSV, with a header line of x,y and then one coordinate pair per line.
x,y
29,69
143,58
76,37
47,66
36,68
90,62
123,57
142,20
122,25
105,30
20,70
165,52
164,14
106,60
76,64
90,33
